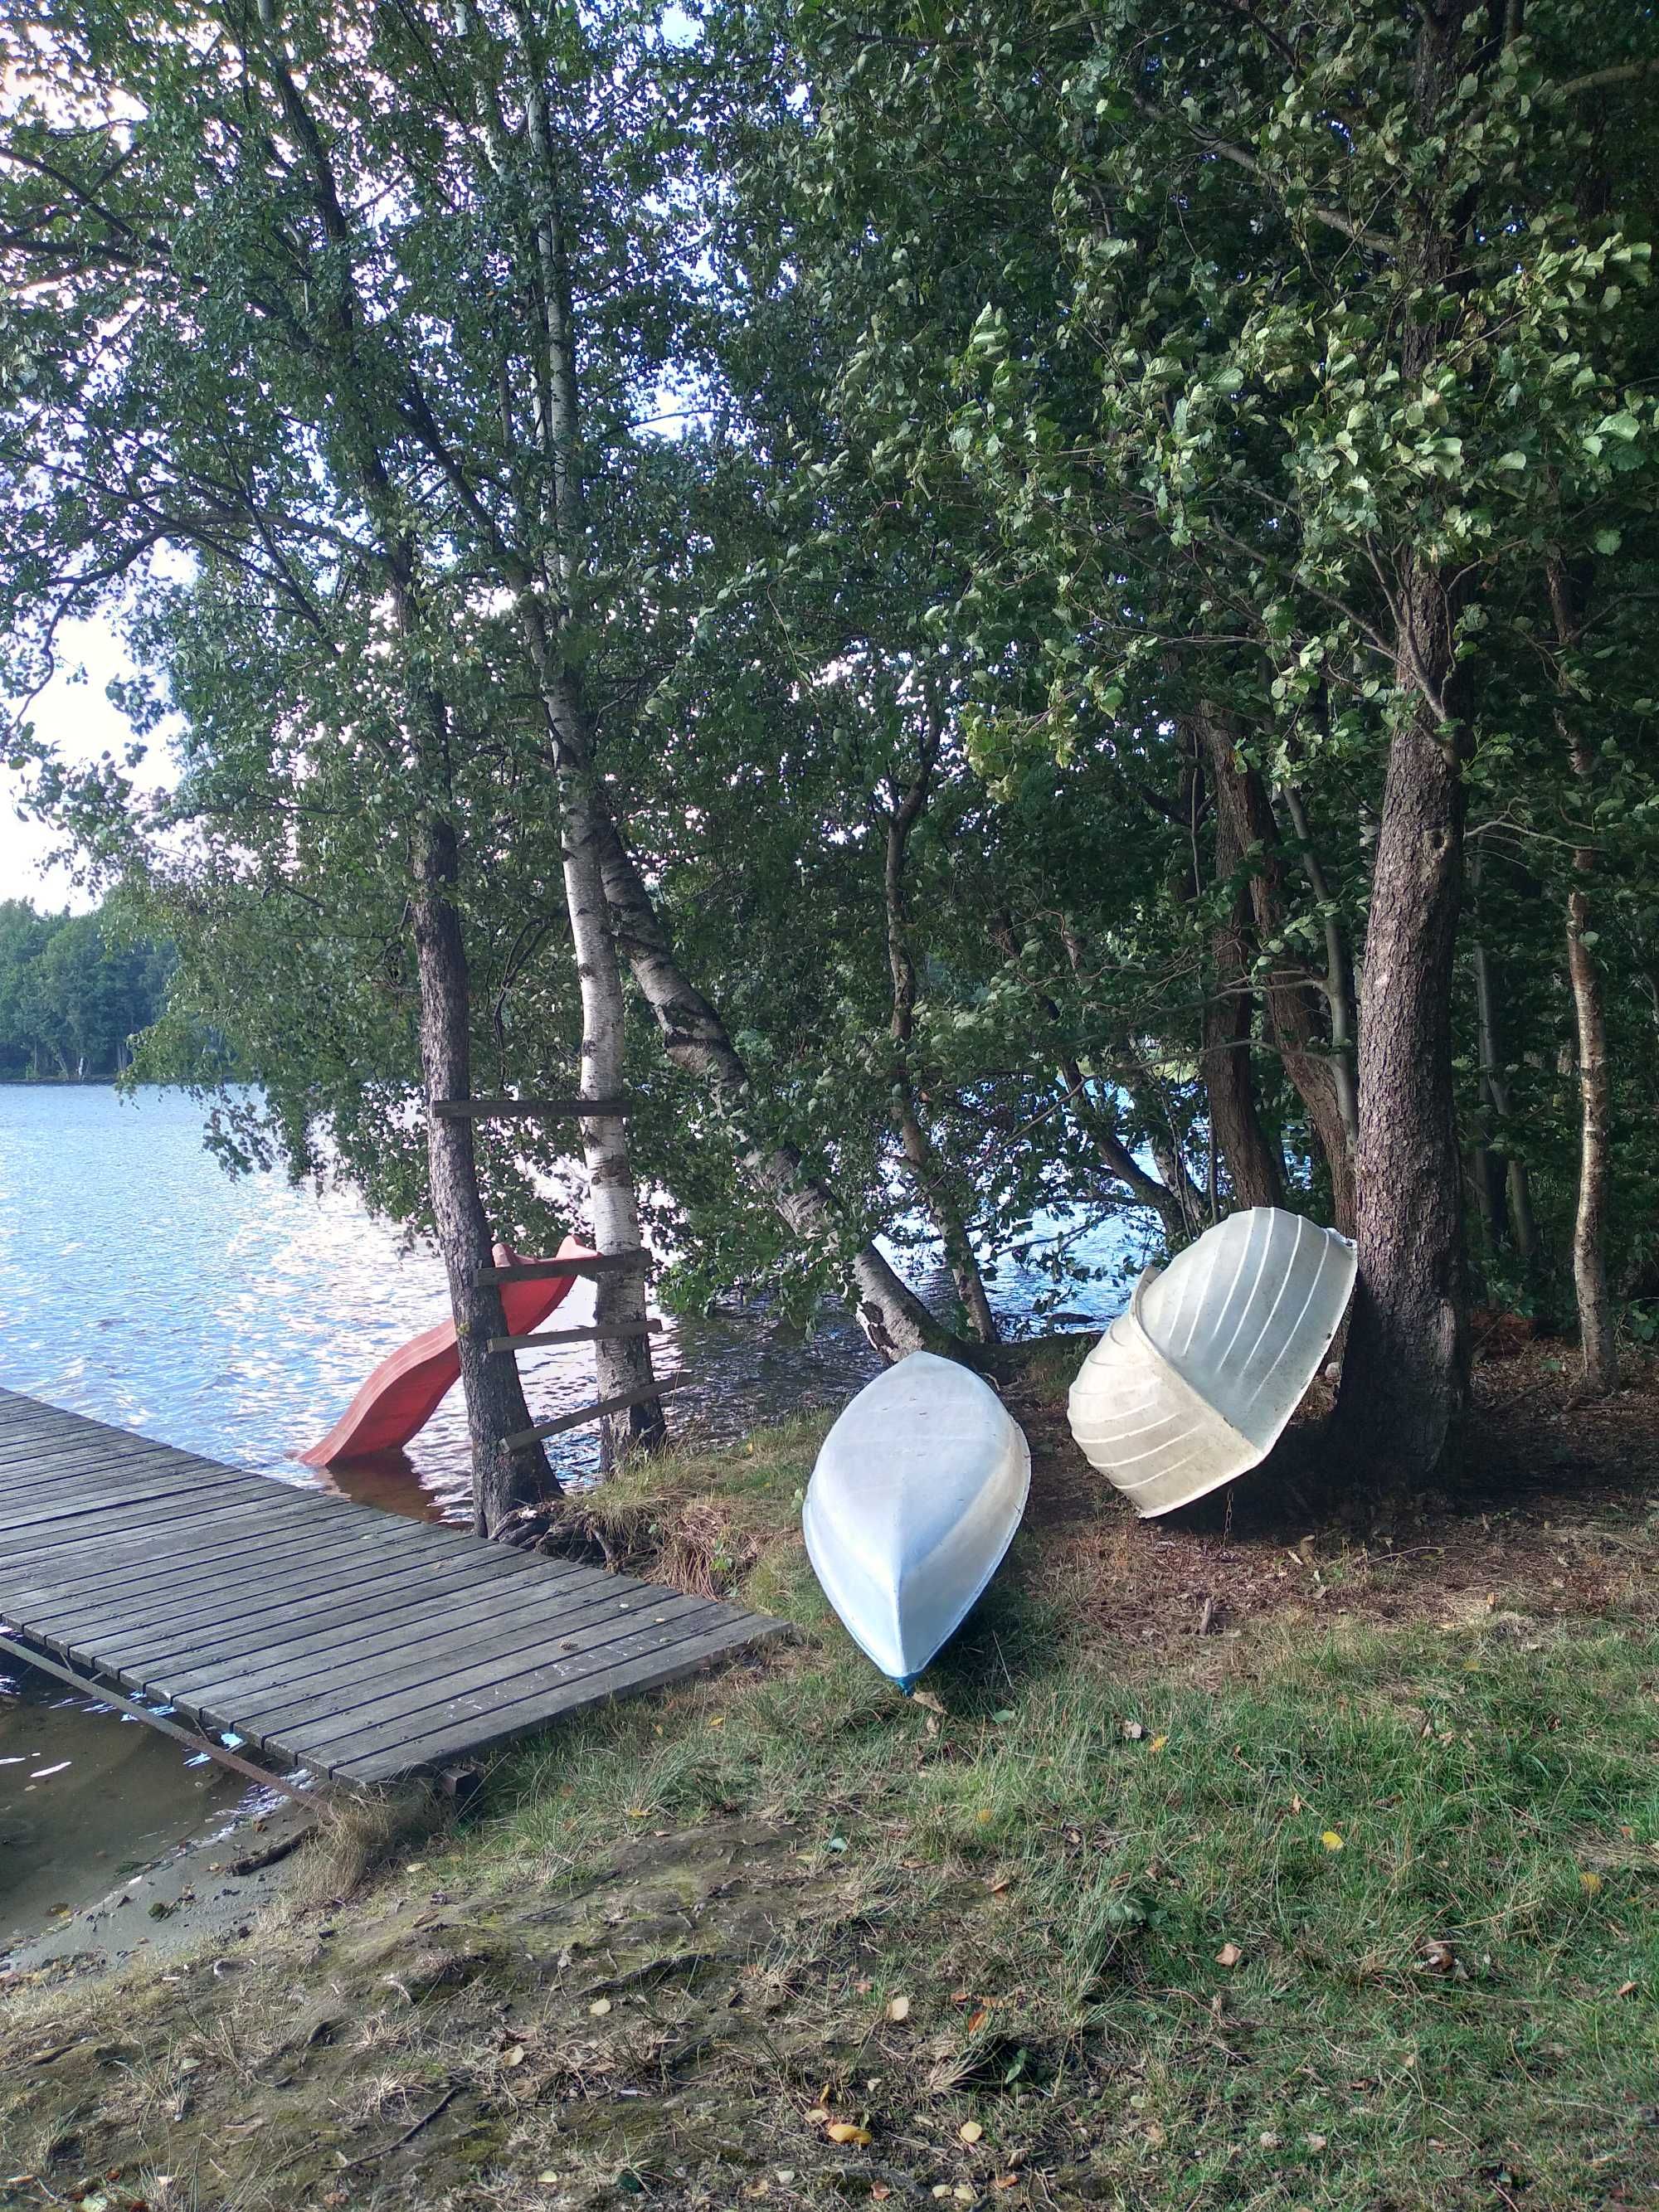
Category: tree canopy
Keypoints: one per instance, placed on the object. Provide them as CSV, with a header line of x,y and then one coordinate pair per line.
x,y
1013,616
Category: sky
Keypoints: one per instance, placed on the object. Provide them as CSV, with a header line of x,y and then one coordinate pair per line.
x,y
77,717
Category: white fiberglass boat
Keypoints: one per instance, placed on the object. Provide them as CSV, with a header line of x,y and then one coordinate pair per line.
x,y
1195,1380
914,1499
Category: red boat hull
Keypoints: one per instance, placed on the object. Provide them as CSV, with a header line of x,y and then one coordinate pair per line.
x,y
405,1391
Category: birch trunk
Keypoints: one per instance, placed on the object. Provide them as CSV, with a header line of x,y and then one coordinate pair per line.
x,y
622,1362
502,1479
1589,1255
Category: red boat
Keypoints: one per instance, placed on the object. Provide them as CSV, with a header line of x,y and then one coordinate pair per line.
x,y
406,1388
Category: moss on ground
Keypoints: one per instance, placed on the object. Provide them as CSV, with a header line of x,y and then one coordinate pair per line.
x,y
1322,1911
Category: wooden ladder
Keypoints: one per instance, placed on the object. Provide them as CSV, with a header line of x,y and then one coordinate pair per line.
x,y
538,1271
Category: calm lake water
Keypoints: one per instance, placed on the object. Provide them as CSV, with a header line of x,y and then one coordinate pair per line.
x,y
141,1285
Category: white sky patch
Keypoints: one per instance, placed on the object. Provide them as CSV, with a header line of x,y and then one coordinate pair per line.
x,y
73,714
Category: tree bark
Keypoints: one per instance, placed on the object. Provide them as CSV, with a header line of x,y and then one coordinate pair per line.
x,y
928,1172
622,1362
1405,1378
495,1409
1253,1169
1293,998
1597,1339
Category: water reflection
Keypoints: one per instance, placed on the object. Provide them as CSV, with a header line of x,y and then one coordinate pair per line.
x,y
140,1285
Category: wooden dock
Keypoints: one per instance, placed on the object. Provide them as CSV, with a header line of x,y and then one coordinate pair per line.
x,y
353,1642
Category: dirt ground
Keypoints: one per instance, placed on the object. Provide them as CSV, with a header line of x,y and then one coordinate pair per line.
x,y
1553,1515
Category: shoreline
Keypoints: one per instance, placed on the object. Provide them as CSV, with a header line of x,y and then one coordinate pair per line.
x,y
207,1892
1217,1865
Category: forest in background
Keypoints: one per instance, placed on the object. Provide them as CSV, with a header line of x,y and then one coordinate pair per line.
x,y
74,994
992,612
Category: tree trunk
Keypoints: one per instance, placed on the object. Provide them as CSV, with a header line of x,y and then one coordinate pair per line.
x,y
495,1409
1405,1379
1293,997
1253,1169
696,1039
1589,1256
928,1172
623,1364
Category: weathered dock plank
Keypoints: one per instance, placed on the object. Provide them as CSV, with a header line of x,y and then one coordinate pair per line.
x,y
349,1641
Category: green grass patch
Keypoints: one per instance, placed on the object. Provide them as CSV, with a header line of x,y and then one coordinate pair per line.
x,y
1370,1923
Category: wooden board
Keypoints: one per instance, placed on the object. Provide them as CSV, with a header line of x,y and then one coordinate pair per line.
x,y
617,1404
603,1332
354,1643
541,1271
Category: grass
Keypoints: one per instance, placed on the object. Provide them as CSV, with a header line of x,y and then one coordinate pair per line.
x,y
1325,1916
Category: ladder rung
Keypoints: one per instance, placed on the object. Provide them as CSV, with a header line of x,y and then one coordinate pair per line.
x,y
529,1109
541,1271
601,1333
617,1405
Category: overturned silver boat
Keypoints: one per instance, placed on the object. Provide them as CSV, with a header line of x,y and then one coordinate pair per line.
x,y
913,1500
1194,1383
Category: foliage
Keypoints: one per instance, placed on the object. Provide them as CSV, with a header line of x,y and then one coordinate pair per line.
x,y
75,992
1085,378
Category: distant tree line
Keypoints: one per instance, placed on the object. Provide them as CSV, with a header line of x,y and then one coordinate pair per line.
x,y
74,994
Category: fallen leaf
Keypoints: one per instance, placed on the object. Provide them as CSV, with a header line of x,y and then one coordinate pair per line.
x,y
977,2019
1228,1955
844,2132
818,2116
928,1702
1590,1884
898,2009
880,2191
1004,1881
638,1813
1625,1989
971,2131
717,1720
1296,1804
600,2007
1006,2181
514,2055
985,1816
1158,1743
1331,1840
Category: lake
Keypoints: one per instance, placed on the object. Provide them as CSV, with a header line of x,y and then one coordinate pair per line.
x,y
141,1285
